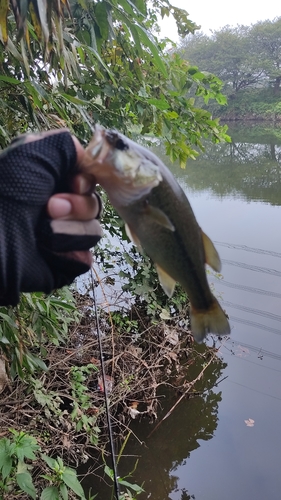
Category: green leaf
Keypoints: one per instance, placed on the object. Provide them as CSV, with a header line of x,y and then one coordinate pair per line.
x,y
8,320
158,60
9,79
78,101
108,471
101,19
50,493
69,477
37,362
4,8
51,462
26,447
24,481
159,103
7,467
134,487
141,6
64,492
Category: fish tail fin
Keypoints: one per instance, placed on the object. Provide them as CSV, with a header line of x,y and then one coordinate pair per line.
x,y
212,320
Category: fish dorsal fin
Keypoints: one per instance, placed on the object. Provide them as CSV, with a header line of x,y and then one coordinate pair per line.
x,y
158,216
167,283
132,236
211,255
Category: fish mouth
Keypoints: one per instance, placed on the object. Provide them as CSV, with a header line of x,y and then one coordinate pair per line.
x,y
100,146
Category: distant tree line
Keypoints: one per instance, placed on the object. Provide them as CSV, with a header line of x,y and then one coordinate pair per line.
x,y
243,57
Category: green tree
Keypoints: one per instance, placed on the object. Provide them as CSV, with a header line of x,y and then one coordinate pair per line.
x,y
103,59
265,37
228,54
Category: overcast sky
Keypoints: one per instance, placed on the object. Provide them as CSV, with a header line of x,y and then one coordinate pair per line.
x,y
214,14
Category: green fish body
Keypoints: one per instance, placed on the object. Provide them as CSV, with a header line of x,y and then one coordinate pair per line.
x,y
159,220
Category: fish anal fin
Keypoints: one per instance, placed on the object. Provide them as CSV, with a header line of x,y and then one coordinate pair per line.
x,y
211,255
158,216
132,236
167,283
212,320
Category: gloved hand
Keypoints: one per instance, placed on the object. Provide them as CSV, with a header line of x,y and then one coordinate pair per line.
x,y
47,215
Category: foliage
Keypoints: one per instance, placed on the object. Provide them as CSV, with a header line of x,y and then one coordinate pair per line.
x,y
132,490
82,403
106,61
21,454
36,320
61,479
243,57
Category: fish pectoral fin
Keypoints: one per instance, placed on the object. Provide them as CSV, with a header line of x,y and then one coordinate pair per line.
x,y
132,236
167,283
211,255
158,216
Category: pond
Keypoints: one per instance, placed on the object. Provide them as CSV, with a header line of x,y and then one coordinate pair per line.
x,y
226,444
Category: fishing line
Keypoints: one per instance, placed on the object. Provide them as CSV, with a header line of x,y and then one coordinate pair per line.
x,y
87,119
106,399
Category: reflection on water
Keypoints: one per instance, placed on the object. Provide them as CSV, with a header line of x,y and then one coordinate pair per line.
x,y
175,438
205,449
235,192
245,170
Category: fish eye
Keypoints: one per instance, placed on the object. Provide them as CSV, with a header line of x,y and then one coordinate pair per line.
x,y
115,140
120,144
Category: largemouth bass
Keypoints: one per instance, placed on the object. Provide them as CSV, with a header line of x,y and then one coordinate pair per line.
x,y
159,220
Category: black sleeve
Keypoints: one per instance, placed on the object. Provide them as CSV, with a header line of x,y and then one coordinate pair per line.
x,y
29,174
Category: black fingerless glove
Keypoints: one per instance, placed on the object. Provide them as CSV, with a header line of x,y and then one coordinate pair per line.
x,y
29,174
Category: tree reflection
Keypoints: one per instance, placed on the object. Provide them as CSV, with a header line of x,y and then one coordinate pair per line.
x,y
193,420
249,167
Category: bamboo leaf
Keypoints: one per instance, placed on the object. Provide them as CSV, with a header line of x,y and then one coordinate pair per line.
x,y
74,100
4,7
40,7
147,42
9,79
35,22
97,56
101,19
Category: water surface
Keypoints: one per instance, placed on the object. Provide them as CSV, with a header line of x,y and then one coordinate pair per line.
x,y
205,450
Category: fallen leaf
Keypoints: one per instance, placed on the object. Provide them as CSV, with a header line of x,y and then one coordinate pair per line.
x,y
95,361
65,441
171,356
165,314
250,422
172,337
134,405
135,351
4,379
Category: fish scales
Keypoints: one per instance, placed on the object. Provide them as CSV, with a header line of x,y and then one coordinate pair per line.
x,y
172,250
160,220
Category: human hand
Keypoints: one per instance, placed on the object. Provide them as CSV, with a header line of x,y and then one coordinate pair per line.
x,y
44,248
